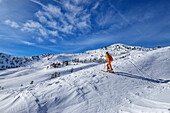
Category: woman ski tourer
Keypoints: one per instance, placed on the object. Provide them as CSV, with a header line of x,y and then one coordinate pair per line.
x,y
109,59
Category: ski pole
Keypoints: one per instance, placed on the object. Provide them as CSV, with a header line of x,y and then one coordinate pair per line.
x,y
104,66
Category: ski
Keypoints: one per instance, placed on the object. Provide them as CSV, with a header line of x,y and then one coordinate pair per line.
x,y
109,72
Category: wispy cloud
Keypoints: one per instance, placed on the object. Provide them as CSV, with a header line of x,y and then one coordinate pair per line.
x,y
96,6
53,41
66,17
53,33
41,17
15,41
57,1
28,43
33,26
125,18
12,23
73,25
70,17
55,11
39,3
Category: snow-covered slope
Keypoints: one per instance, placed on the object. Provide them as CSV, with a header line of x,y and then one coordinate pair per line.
x,y
142,83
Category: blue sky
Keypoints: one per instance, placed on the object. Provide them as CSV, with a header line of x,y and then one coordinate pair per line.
x,y
35,27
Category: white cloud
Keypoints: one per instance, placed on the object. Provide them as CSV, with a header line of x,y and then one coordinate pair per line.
x,y
43,32
86,17
11,23
54,10
28,43
72,8
52,24
53,33
95,6
32,24
0,1
53,41
57,1
68,17
41,17
82,25
39,3
84,22
67,29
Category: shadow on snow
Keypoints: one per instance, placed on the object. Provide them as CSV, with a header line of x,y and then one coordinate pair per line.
x,y
142,78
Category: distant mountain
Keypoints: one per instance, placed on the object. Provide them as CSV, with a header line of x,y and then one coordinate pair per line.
x,y
8,61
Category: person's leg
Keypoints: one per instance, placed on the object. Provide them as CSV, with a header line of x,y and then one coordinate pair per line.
x,y
110,66
107,66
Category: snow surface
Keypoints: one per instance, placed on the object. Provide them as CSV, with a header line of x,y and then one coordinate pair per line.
x,y
141,83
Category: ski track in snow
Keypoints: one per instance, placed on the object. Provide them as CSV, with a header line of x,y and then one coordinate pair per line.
x,y
138,87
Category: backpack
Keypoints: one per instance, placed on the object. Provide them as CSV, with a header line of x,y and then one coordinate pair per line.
x,y
110,57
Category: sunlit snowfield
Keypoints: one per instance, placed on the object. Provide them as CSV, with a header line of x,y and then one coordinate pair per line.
x,y
141,82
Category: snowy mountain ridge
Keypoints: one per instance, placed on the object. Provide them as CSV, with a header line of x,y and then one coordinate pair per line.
x,y
116,50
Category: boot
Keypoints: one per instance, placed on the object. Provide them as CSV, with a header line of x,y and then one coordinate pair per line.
x,y
108,69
